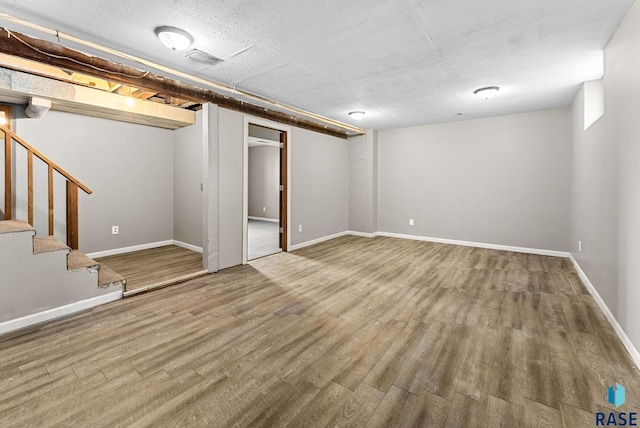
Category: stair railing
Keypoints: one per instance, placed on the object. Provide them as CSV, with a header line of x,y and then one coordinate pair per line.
x,y
72,186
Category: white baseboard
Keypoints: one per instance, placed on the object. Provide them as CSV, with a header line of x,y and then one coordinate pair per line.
x,y
187,246
149,246
270,220
361,234
131,249
438,240
61,311
317,241
477,244
635,355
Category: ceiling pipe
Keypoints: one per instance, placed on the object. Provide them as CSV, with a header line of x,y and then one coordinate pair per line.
x,y
64,36
44,52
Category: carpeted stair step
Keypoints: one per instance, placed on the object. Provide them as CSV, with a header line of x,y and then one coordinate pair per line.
x,y
77,260
12,226
47,244
108,277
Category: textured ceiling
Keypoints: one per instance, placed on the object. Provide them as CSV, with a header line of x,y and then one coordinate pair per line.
x,y
404,62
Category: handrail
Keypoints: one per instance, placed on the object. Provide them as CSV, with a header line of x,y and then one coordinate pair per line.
x,y
45,159
72,187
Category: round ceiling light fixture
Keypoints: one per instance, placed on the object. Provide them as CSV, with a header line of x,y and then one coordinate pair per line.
x,y
174,38
487,92
356,115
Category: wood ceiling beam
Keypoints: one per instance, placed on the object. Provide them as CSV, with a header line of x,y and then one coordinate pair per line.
x,y
143,94
23,46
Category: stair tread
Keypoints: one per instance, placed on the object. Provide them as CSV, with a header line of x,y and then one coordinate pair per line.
x,y
77,260
12,226
107,276
47,244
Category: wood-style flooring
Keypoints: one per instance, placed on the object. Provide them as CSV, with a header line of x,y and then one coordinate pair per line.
x,y
160,266
351,332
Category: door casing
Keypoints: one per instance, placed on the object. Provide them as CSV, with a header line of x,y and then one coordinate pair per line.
x,y
285,180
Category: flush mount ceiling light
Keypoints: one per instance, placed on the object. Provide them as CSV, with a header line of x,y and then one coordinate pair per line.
x,y
356,115
486,93
174,38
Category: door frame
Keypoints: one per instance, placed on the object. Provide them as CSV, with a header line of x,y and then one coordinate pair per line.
x,y
245,197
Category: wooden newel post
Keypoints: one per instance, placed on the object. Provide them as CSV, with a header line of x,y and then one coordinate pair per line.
x,y
72,215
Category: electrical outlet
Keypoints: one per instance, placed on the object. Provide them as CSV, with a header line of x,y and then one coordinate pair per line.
x,y
410,222
299,228
579,246
115,230
264,209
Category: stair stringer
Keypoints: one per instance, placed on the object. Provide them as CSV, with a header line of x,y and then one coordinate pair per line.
x,y
38,287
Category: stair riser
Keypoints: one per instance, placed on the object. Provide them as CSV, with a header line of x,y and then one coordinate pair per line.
x,y
21,243
39,283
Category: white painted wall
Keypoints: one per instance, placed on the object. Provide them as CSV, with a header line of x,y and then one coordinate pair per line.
x,y
319,185
606,182
129,168
503,180
187,178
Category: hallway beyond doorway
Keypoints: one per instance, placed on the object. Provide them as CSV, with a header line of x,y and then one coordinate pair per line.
x,y
263,238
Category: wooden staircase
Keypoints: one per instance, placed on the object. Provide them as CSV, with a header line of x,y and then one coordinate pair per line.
x,y
39,274
75,260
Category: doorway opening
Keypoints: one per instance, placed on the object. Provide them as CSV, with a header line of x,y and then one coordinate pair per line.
x,y
266,190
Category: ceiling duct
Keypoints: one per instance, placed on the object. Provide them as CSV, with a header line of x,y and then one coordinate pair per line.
x,y
202,57
37,107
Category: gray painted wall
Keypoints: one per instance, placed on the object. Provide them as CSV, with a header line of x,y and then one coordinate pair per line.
x,y
35,283
594,201
129,168
503,180
211,177
606,200
264,182
230,174
187,178
363,183
319,185
265,133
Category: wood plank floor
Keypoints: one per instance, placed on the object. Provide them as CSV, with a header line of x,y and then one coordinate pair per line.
x,y
351,332
156,265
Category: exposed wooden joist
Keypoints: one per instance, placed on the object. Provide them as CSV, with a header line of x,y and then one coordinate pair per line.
x,y
90,81
69,97
23,46
143,94
21,64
